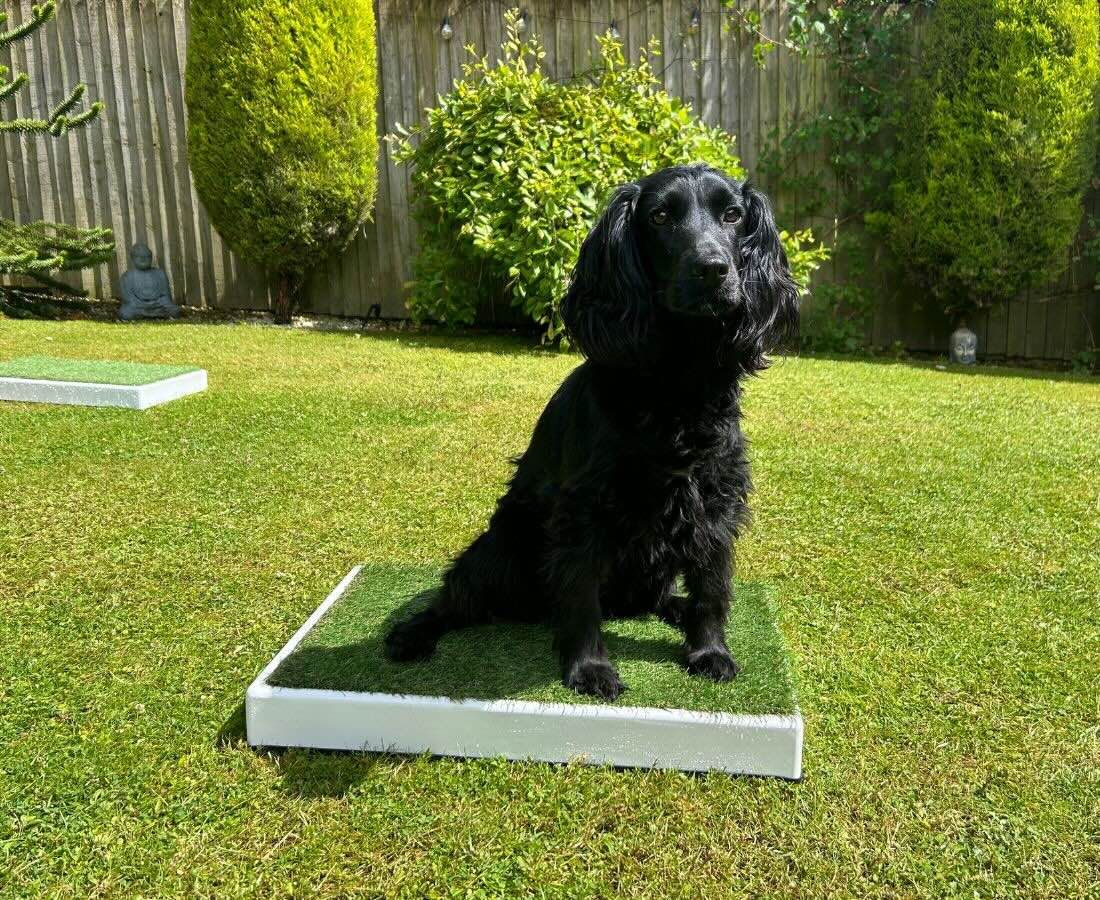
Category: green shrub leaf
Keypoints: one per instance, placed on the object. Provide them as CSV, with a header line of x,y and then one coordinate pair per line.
x,y
510,170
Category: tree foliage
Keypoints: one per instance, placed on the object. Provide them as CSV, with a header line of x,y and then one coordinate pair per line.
x,y
510,171
997,147
38,248
282,135
867,47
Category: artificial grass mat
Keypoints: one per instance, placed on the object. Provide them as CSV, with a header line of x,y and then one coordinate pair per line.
x,y
92,371
343,651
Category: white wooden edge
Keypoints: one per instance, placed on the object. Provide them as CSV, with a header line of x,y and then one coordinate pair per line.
x,y
516,729
88,393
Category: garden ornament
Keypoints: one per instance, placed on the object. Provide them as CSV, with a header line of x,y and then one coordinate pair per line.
x,y
964,345
145,291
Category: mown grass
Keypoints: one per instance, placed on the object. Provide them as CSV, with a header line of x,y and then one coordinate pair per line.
x,y
933,539
344,652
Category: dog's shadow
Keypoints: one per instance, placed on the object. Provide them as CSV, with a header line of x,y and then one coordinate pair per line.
x,y
499,660
311,774
491,661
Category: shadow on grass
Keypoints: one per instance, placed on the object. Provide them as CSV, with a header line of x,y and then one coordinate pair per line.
x,y
503,342
233,731
999,370
522,343
491,661
319,774
308,774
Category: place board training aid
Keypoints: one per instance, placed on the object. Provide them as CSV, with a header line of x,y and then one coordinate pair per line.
x,y
495,690
83,382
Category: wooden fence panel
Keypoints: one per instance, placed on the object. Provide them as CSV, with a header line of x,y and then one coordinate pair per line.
x,y
130,172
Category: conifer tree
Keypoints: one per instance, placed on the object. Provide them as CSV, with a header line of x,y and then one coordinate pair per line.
x,y
281,131
996,149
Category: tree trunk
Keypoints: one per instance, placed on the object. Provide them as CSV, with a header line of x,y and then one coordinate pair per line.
x,y
284,296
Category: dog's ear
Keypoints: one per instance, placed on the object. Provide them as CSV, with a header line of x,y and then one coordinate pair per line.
x,y
771,293
607,310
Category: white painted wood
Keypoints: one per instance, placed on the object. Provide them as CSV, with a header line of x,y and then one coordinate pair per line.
x,y
516,729
84,393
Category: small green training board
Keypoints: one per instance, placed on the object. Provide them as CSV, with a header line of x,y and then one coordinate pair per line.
x,y
89,371
343,652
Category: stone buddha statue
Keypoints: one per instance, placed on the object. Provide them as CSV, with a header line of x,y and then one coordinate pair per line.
x,y
145,291
964,346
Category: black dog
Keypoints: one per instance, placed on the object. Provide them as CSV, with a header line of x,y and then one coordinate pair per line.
x,y
637,470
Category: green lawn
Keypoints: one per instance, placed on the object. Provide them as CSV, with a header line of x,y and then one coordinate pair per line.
x,y
97,371
933,540
343,652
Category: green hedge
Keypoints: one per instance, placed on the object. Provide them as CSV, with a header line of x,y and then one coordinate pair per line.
x,y
997,146
510,171
282,133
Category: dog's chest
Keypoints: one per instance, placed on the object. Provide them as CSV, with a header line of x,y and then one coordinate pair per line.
x,y
691,476
693,443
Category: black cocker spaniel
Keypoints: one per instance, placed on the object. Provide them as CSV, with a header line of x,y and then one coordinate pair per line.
x,y
637,471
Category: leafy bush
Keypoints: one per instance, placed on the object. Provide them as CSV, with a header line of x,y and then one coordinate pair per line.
x,y
867,49
837,318
511,168
281,133
997,146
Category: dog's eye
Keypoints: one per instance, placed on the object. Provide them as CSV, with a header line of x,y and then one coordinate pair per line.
x,y
732,215
658,217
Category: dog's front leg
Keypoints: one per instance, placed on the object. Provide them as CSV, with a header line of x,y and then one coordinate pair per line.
x,y
575,586
704,614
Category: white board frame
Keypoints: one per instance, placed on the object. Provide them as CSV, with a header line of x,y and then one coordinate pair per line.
x,y
627,736
90,393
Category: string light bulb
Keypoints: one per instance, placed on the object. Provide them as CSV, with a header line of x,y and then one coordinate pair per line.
x,y
446,31
613,30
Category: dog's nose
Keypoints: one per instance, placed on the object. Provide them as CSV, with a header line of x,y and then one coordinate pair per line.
x,y
712,270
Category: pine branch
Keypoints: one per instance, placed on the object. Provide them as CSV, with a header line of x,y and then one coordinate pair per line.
x,y
87,116
11,263
42,247
26,126
39,248
58,121
42,264
64,123
56,125
68,103
40,15
12,86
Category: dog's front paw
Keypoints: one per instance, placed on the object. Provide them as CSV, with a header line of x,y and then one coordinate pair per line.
x,y
713,662
595,677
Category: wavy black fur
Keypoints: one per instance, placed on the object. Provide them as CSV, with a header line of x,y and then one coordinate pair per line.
x,y
637,470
